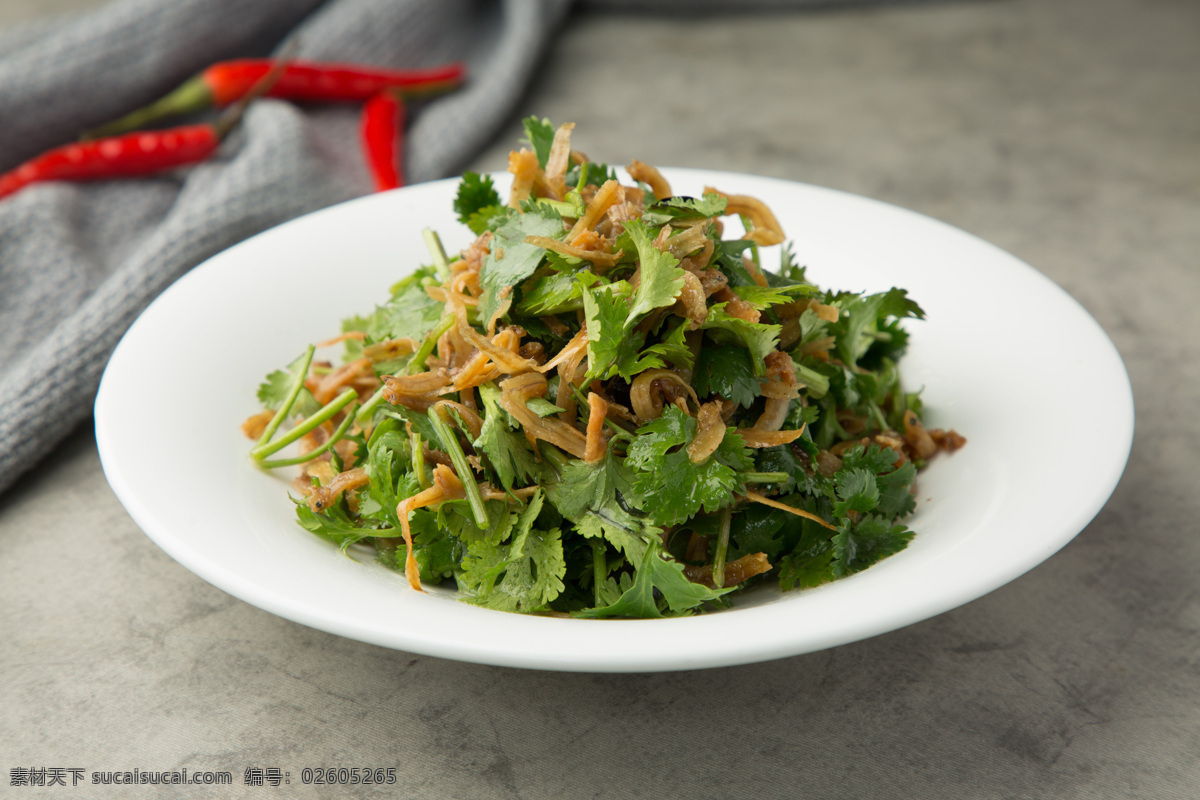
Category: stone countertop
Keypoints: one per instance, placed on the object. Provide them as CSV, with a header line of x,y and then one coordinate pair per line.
x,y
1065,131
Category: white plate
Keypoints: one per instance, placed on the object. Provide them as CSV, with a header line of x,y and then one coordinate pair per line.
x,y
1007,358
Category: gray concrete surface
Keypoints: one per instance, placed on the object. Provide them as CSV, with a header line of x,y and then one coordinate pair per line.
x,y
1065,131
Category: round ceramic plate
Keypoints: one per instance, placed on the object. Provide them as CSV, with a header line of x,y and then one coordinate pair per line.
x,y
1006,358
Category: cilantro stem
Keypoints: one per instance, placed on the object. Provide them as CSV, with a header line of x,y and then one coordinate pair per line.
x,y
426,349
311,454
323,415
418,459
441,263
816,384
718,576
368,409
459,460
583,403
599,567
556,457
877,413
749,226
289,401
387,426
764,477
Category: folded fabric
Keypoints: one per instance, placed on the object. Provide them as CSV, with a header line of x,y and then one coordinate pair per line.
x,y
80,261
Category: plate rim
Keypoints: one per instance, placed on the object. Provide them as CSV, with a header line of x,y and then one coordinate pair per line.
x,y
110,453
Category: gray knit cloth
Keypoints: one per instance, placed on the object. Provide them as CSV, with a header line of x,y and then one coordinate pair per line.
x,y
79,262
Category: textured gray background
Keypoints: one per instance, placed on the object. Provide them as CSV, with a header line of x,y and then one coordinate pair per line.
x,y
1065,131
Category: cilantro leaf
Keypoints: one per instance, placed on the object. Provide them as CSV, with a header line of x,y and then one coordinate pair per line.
x,y
456,517
660,278
674,487
333,524
274,390
655,438
505,448
781,458
630,359
789,268
757,337
757,529
728,258
710,205
387,452
858,545
487,218
810,563
862,318
523,575
606,311
762,297
613,345
864,498
596,174
409,313
894,483
511,259
436,550
631,595
540,133
670,209
354,345
672,347
890,343
857,490
543,407
598,498
475,200
556,292
535,328
656,576
728,372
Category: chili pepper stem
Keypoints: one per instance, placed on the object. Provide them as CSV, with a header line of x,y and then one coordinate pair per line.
x,y
191,97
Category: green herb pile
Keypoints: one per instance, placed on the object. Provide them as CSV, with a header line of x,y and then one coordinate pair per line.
x,y
676,494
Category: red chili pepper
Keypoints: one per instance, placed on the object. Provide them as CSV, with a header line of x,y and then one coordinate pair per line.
x,y
223,83
137,153
116,157
382,131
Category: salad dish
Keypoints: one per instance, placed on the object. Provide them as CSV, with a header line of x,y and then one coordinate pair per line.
x,y
607,405
980,517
